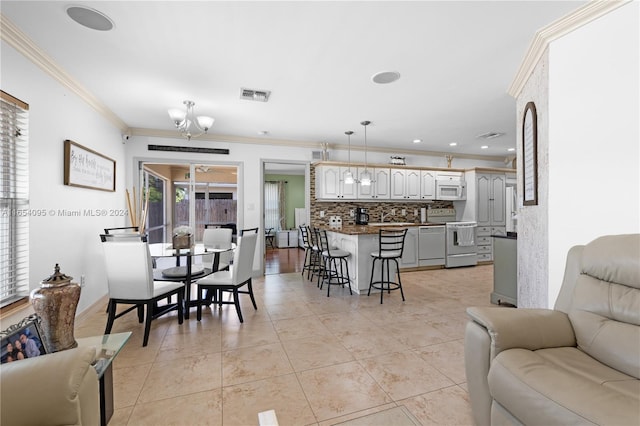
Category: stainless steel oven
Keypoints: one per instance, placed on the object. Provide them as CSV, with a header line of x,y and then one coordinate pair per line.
x,y
461,247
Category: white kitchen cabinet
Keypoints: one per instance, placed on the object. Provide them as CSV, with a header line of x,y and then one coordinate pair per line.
x,y
380,184
410,252
330,183
405,184
490,211
427,184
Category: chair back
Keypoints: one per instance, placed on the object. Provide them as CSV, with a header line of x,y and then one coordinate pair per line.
x,y
242,268
305,236
123,236
122,230
216,237
313,237
323,241
248,230
391,242
129,269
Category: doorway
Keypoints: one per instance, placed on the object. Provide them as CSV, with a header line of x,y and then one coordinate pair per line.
x,y
285,204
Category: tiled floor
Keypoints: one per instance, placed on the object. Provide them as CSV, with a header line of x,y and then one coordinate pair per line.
x,y
314,360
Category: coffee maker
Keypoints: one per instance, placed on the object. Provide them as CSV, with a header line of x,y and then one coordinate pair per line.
x,y
362,217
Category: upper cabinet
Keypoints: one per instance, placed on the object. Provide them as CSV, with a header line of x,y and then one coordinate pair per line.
x,y
427,184
380,184
405,184
490,199
330,183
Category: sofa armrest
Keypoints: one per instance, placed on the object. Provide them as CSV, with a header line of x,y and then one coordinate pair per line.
x,y
523,328
58,388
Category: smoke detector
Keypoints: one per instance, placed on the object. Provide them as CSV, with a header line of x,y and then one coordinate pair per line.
x,y
254,94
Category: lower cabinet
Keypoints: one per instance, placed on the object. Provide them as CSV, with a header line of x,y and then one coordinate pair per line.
x,y
286,239
484,241
410,253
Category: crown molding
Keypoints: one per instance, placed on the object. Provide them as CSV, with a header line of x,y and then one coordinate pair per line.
x,y
559,28
212,137
12,35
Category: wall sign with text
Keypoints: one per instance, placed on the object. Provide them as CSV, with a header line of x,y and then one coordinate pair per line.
x,y
87,168
530,155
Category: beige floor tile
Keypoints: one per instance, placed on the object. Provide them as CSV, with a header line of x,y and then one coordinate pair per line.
x,y
254,363
182,345
449,406
415,334
447,358
121,416
404,374
248,334
128,383
341,389
370,342
357,414
297,328
202,408
317,351
242,403
184,376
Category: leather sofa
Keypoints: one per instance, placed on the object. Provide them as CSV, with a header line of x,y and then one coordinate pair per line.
x,y
55,389
578,363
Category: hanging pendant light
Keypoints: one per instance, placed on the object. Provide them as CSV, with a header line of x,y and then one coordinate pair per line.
x,y
187,123
365,177
348,176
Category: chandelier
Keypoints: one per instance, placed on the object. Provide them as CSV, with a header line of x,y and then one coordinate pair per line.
x,y
187,123
348,176
365,177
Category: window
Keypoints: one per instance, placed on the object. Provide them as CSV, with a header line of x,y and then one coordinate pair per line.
x,y
14,199
274,205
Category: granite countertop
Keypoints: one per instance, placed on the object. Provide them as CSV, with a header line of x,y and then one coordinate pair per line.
x,y
370,229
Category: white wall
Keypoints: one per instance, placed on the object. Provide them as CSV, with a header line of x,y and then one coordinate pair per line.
x,y
594,140
589,158
56,114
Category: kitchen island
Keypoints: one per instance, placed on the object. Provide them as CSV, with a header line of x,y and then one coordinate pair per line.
x,y
361,241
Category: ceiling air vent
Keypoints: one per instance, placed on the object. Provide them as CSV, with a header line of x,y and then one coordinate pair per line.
x,y
254,95
489,135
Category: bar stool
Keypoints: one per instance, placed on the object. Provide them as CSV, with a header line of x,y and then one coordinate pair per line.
x,y
316,254
308,252
334,267
390,247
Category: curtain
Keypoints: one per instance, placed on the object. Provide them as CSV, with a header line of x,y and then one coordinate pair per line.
x,y
275,207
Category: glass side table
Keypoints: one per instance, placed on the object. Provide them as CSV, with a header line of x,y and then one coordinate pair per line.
x,y
107,346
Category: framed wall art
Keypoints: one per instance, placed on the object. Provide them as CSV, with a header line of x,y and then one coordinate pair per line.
x,y
87,168
22,340
530,155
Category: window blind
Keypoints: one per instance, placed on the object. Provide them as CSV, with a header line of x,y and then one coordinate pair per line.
x,y
14,199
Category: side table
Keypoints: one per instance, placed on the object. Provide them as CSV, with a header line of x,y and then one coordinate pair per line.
x,y
107,346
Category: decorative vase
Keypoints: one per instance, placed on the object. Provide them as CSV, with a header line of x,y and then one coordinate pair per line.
x,y
182,241
55,302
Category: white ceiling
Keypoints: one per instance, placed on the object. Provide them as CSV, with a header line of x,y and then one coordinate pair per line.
x,y
456,60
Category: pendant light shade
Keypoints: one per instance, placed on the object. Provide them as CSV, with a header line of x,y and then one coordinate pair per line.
x,y
348,176
365,176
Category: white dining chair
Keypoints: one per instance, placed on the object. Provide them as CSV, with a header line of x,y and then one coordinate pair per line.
x,y
130,279
218,237
237,276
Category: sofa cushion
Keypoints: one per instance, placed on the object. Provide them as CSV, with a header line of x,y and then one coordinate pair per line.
x,y
563,386
605,305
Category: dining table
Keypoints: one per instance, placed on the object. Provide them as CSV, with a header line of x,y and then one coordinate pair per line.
x,y
186,273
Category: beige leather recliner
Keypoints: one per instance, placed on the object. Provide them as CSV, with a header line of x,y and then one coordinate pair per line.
x,y
55,389
576,364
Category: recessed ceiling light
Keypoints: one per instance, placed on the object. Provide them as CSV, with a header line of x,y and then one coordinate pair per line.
x,y
417,140
90,18
511,149
484,147
453,144
385,77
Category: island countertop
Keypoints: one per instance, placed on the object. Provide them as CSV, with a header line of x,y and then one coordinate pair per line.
x,y
372,229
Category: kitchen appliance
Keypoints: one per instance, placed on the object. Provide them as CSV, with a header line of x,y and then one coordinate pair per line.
x,y
362,217
450,186
461,249
431,245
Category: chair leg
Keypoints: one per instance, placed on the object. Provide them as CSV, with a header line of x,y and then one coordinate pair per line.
x,y
236,301
253,300
346,266
373,267
147,324
399,281
181,306
112,316
382,262
199,306
140,314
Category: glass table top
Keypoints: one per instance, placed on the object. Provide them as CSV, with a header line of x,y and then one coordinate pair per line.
x,y
107,347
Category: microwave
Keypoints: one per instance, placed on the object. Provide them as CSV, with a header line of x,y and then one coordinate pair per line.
x,y
450,189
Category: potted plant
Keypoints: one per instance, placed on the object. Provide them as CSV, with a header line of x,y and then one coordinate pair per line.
x,y
182,237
